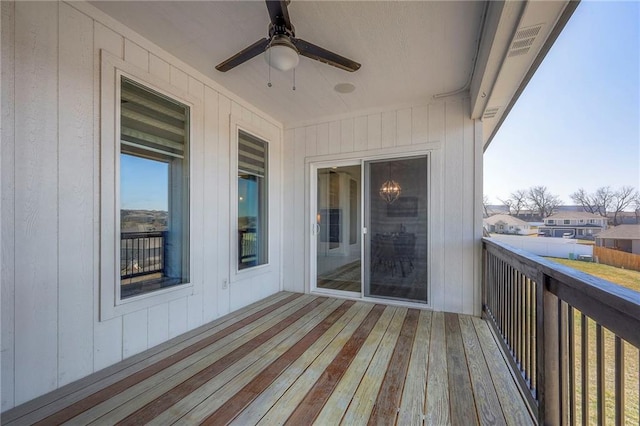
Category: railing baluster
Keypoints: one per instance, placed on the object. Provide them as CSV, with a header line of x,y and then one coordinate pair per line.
x,y
512,312
619,372
502,299
146,249
600,372
534,341
585,367
516,325
572,365
527,354
521,320
563,359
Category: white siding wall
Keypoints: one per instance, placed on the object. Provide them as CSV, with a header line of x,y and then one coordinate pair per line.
x,y
51,333
443,129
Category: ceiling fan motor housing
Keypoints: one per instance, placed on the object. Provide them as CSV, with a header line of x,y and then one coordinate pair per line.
x,y
281,53
282,48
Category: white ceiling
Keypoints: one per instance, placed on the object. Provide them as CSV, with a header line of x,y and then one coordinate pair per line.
x,y
409,51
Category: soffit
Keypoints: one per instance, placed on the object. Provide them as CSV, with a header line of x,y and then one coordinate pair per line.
x,y
409,51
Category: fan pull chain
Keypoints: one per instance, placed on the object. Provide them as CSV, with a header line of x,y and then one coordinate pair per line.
x,y
269,66
294,79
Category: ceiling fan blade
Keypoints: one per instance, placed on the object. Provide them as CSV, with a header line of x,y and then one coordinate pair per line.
x,y
244,55
279,13
323,55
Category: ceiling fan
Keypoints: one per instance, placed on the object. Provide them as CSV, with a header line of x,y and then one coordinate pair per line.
x,y
282,47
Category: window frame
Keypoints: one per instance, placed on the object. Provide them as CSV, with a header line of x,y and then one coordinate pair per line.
x,y
178,190
237,124
112,70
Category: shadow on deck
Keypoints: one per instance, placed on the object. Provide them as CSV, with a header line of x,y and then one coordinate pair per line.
x,y
299,359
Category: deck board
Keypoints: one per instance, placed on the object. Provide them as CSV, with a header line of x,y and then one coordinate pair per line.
x,y
462,399
387,405
177,368
338,402
361,405
297,380
437,400
53,402
487,404
413,395
302,359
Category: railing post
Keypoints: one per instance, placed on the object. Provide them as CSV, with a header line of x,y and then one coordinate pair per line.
x,y
548,320
484,280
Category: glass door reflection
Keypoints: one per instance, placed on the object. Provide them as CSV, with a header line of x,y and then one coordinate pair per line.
x,y
396,219
338,258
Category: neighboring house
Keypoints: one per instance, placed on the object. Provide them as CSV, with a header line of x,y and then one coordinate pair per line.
x,y
621,237
506,224
494,209
86,87
581,225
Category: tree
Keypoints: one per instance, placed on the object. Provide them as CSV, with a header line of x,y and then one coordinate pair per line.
x,y
542,201
485,205
585,200
597,203
623,198
605,200
516,202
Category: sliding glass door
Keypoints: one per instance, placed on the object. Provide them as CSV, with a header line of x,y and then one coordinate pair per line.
x,y
369,231
396,207
338,237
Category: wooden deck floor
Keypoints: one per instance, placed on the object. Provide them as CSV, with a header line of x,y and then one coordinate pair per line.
x,y
302,359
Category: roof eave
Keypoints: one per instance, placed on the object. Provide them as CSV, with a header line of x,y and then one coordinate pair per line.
x,y
500,75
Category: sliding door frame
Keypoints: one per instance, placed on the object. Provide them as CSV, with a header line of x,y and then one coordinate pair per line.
x,y
311,228
314,227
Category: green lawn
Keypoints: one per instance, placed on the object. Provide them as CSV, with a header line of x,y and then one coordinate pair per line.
x,y
624,277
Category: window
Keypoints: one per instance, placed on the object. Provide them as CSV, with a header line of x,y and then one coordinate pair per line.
x,y
154,191
567,222
252,201
550,221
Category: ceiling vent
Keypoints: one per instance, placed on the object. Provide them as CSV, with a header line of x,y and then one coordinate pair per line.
x,y
523,40
490,112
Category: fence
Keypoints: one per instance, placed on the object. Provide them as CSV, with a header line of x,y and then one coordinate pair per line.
x,y
617,258
547,246
553,322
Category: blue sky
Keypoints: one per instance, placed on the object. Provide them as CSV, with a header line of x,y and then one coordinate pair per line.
x,y
143,184
577,124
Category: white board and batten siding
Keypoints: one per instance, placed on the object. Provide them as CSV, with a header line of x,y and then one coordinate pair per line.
x,y
445,131
52,332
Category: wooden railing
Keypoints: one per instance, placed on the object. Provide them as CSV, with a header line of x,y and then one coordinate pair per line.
x,y
553,322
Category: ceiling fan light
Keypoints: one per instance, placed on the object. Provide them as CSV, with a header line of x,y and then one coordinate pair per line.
x,y
281,56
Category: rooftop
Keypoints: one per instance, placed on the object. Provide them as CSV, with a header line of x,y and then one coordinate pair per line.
x,y
575,215
622,232
508,219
